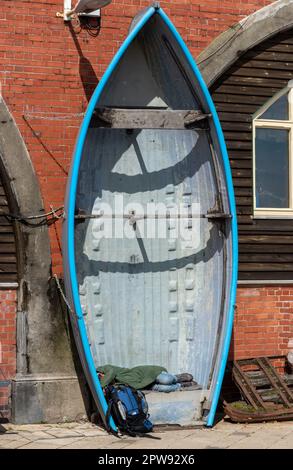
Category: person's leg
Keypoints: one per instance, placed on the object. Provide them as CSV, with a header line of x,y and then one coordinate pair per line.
x,y
185,377
166,388
164,378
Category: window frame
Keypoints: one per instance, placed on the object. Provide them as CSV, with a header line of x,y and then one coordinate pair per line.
x,y
271,212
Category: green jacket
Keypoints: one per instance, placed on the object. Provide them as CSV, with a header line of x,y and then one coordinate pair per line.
x,y
138,377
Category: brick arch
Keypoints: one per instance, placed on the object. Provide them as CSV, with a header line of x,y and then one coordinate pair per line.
x,y
252,30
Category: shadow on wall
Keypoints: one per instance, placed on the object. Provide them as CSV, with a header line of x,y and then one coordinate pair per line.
x,y
232,347
87,74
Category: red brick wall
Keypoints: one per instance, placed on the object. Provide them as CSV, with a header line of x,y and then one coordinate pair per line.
x,y
48,70
263,326
263,321
7,347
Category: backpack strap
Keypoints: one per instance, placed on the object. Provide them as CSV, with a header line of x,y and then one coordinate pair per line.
x,y
108,415
107,420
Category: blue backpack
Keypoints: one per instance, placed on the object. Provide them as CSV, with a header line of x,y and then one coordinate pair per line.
x,y
129,409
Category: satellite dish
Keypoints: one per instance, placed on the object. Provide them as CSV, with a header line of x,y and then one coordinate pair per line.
x,y
84,6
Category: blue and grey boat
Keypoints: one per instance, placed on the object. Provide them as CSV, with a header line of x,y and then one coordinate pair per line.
x,y
151,139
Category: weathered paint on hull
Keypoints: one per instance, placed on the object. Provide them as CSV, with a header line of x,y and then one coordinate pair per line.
x,y
152,301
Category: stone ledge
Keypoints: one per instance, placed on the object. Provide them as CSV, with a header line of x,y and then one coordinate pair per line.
x,y
46,399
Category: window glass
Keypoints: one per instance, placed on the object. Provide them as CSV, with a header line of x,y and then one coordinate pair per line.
x,y
272,168
278,110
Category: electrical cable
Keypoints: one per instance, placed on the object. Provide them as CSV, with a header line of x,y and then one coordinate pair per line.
x,y
44,219
240,27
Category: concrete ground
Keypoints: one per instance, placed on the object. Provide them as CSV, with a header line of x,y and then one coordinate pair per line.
x,y
224,435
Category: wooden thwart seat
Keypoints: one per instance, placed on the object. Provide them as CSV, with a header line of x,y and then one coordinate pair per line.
x,y
149,118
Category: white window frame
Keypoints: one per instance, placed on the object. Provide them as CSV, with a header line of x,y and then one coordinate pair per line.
x,y
275,213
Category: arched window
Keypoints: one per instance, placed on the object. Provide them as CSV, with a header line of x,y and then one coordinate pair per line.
x,y
273,156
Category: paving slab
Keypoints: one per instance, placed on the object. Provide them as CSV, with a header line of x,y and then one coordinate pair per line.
x,y
57,443
34,436
284,443
88,436
16,444
63,433
27,427
73,425
94,433
39,445
9,437
96,443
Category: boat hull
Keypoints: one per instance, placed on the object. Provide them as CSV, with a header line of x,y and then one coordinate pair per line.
x,y
141,298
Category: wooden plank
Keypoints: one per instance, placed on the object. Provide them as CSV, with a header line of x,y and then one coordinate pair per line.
x,y
269,239
4,209
236,145
233,117
240,154
287,40
244,210
244,109
265,248
282,38
147,118
236,126
240,99
7,258
3,201
271,229
266,267
265,276
7,237
244,219
269,55
266,257
242,182
238,135
276,381
8,267
5,221
240,163
242,172
244,201
237,89
246,387
272,65
253,72
243,191
258,81
283,225
274,47
8,277
6,228
7,248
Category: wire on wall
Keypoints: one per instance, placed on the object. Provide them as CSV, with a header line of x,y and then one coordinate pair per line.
x,y
42,219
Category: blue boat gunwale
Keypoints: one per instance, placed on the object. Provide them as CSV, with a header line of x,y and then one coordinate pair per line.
x,y
73,180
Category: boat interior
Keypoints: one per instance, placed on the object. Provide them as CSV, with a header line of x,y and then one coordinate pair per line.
x,y
154,300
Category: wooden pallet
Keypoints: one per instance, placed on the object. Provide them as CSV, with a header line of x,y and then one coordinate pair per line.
x,y
247,372
241,416
263,389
